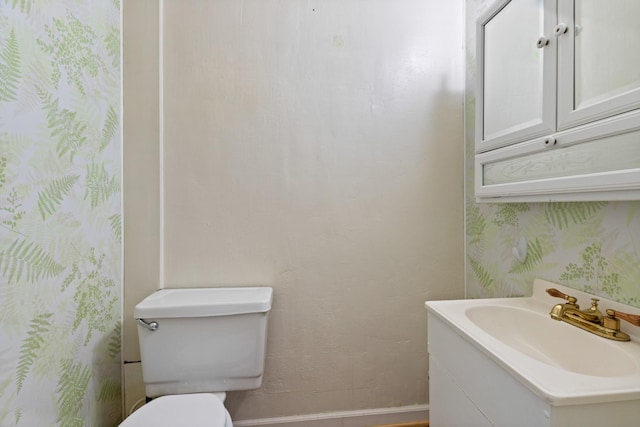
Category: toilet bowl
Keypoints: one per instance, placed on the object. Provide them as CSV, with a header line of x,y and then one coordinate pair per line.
x,y
195,345
192,410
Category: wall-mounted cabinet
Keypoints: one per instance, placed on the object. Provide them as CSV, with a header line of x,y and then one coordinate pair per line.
x,y
558,101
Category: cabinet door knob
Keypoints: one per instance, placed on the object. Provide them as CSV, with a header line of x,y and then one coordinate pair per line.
x,y
542,42
550,141
560,29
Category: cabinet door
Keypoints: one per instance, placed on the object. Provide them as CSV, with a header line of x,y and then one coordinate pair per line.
x,y
598,59
448,403
516,72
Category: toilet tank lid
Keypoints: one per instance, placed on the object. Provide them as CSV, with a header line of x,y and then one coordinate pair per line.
x,y
204,302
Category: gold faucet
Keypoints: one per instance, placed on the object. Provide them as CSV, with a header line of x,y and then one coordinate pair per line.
x,y
591,319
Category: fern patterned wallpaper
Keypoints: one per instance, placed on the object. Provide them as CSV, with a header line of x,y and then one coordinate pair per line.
x,y
60,250
587,246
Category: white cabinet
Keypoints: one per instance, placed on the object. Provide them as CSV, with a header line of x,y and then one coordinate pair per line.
x,y
558,98
467,388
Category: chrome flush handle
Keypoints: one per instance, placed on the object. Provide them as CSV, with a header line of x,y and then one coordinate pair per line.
x,y
152,326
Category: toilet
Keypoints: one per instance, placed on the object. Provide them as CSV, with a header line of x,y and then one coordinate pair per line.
x,y
195,345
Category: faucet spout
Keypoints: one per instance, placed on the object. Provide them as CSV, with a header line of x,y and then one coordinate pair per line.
x,y
591,315
557,311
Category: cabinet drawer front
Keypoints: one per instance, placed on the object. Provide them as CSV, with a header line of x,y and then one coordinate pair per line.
x,y
592,161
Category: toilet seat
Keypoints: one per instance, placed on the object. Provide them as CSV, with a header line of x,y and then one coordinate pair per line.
x,y
193,410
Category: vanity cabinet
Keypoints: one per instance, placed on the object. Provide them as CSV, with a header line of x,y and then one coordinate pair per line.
x,y
467,388
558,101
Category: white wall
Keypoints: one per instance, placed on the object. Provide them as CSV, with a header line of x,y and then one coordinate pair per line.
x,y
316,147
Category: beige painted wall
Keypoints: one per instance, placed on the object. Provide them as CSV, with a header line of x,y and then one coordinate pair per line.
x,y
141,192
315,147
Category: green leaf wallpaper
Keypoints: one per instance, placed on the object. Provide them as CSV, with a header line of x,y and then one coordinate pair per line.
x,y
588,246
60,213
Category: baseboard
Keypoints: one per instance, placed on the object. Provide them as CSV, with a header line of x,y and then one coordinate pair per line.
x,y
360,418
410,424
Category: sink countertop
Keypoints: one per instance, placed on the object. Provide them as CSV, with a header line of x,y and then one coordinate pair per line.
x,y
554,384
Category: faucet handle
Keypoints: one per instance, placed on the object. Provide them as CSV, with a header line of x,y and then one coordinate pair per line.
x,y
556,293
634,319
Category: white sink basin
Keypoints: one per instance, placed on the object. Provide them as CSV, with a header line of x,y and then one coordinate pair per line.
x,y
560,363
557,344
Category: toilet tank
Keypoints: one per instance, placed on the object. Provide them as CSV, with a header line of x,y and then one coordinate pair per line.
x,y
206,340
